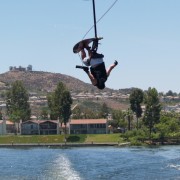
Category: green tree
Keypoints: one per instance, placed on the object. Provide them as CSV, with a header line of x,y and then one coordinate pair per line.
x,y
104,110
55,101
119,119
153,109
18,107
59,103
169,93
76,113
3,94
129,117
167,127
1,116
136,98
66,107
88,113
44,113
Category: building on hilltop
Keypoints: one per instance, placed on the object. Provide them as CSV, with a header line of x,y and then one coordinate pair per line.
x,y
20,68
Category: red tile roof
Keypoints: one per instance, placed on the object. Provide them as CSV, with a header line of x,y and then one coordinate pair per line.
x,y
88,121
7,122
40,121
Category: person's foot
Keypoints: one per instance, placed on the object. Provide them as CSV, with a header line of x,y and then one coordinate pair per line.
x,y
115,63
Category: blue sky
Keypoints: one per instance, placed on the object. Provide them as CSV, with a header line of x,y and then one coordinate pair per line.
x,y
143,35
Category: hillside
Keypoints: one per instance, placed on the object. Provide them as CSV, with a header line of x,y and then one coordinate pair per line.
x,y
45,81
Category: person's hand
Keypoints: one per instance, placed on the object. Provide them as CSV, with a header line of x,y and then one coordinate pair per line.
x,y
86,69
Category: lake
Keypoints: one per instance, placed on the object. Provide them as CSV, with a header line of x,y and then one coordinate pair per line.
x,y
90,163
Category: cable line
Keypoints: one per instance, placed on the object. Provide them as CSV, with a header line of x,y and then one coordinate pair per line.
x,y
101,17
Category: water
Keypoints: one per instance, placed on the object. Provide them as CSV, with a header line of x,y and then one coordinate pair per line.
x,y
90,163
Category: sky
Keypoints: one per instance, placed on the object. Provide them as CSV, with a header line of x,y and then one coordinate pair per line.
x,y
143,35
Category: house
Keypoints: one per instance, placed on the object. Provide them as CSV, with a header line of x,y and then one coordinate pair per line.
x,y
49,127
30,127
10,127
75,126
88,126
41,127
7,127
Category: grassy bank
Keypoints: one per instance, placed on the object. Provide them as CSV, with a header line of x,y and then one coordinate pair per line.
x,y
87,138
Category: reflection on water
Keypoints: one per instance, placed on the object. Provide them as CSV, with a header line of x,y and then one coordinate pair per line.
x,y
98,163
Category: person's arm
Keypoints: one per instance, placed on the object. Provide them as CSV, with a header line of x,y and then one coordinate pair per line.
x,y
89,52
83,54
91,77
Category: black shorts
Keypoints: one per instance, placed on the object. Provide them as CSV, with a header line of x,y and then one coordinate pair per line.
x,y
99,72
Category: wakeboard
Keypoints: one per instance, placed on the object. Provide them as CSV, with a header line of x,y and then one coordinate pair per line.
x,y
81,44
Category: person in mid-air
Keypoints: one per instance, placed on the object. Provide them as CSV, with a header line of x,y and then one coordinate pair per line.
x,y
98,73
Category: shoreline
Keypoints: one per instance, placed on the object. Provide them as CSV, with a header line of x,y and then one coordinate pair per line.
x,y
92,144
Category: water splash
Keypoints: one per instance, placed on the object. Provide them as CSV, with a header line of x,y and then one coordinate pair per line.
x,y
62,169
175,166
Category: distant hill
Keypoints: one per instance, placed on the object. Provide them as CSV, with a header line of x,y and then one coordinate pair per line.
x,y
45,81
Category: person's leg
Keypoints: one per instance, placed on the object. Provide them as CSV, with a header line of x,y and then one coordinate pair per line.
x,y
91,77
111,68
93,80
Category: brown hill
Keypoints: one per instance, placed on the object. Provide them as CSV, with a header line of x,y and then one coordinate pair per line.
x,y
45,81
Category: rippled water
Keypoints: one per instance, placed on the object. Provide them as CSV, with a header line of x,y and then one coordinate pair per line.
x,y
91,163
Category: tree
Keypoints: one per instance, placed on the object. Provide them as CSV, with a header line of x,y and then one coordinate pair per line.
x,y
66,107
104,110
153,109
59,103
55,101
129,116
1,116
169,93
136,98
44,113
167,126
118,119
76,112
18,107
